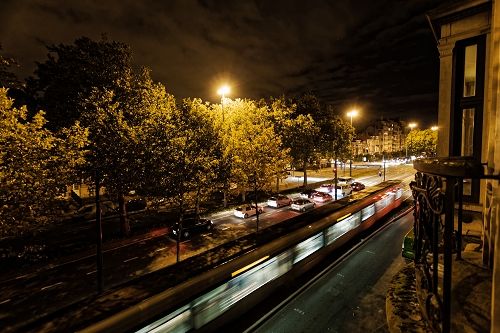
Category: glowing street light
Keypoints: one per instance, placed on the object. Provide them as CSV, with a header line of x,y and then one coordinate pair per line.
x,y
352,113
223,91
434,128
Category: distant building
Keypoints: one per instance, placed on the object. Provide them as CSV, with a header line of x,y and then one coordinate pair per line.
x,y
381,136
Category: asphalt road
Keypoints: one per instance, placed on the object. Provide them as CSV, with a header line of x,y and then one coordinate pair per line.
x,y
44,289
350,297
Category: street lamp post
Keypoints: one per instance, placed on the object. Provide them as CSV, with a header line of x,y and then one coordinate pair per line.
x,y
411,126
350,114
223,91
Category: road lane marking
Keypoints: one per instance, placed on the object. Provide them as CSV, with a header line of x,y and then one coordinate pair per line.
x,y
161,249
299,311
5,301
91,272
130,259
21,276
51,286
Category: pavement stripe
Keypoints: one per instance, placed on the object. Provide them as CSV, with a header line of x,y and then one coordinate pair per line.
x,y
160,249
5,301
130,259
51,286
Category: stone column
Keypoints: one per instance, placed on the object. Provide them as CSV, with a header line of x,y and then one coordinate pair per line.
x,y
492,202
445,48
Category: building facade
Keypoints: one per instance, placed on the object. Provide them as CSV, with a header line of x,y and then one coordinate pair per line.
x,y
381,137
464,178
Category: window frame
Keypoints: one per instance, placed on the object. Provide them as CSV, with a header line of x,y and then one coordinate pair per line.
x,y
460,103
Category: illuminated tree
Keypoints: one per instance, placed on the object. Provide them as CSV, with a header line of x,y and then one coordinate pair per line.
x,y
299,133
256,150
119,138
337,135
35,167
422,142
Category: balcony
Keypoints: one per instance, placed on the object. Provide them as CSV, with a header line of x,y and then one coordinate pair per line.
x,y
446,288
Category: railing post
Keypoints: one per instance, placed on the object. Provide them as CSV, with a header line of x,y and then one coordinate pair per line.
x,y
448,251
460,186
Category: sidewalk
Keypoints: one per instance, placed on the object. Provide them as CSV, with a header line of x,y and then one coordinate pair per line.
x,y
471,286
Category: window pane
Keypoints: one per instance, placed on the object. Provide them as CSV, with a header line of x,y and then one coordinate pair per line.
x,y
470,71
467,132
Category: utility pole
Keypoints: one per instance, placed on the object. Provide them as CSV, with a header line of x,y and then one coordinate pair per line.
x,y
98,222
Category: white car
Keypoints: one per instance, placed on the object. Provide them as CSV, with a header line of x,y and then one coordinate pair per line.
x,y
88,211
345,180
344,190
278,201
302,204
247,211
325,188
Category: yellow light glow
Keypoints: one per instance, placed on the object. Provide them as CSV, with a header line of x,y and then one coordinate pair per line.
x,y
434,128
247,267
343,217
412,125
352,113
224,90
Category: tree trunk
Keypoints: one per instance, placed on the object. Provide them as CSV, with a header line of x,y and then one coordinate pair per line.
x,y
225,197
124,223
179,230
277,184
335,178
197,204
243,196
304,165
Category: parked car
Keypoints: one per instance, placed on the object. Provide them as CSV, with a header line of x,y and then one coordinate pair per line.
x,y
279,201
190,226
247,211
302,204
357,186
344,190
408,251
345,180
88,211
326,188
321,197
306,194
135,204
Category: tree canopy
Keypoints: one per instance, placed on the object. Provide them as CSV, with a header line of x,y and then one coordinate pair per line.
x,y
64,82
36,166
256,150
299,132
103,116
422,142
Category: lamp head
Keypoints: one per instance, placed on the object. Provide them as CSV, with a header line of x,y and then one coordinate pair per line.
x,y
224,90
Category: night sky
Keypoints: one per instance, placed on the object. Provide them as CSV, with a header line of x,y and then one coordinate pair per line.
x,y
379,56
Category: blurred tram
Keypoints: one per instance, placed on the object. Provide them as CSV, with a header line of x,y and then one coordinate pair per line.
x,y
220,295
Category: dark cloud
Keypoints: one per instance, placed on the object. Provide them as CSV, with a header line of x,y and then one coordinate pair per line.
x,y
379,55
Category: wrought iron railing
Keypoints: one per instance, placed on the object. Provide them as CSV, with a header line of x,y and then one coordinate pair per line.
x,y
438,191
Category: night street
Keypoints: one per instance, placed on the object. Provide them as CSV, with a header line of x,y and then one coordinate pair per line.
x,y
71,281
350,296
